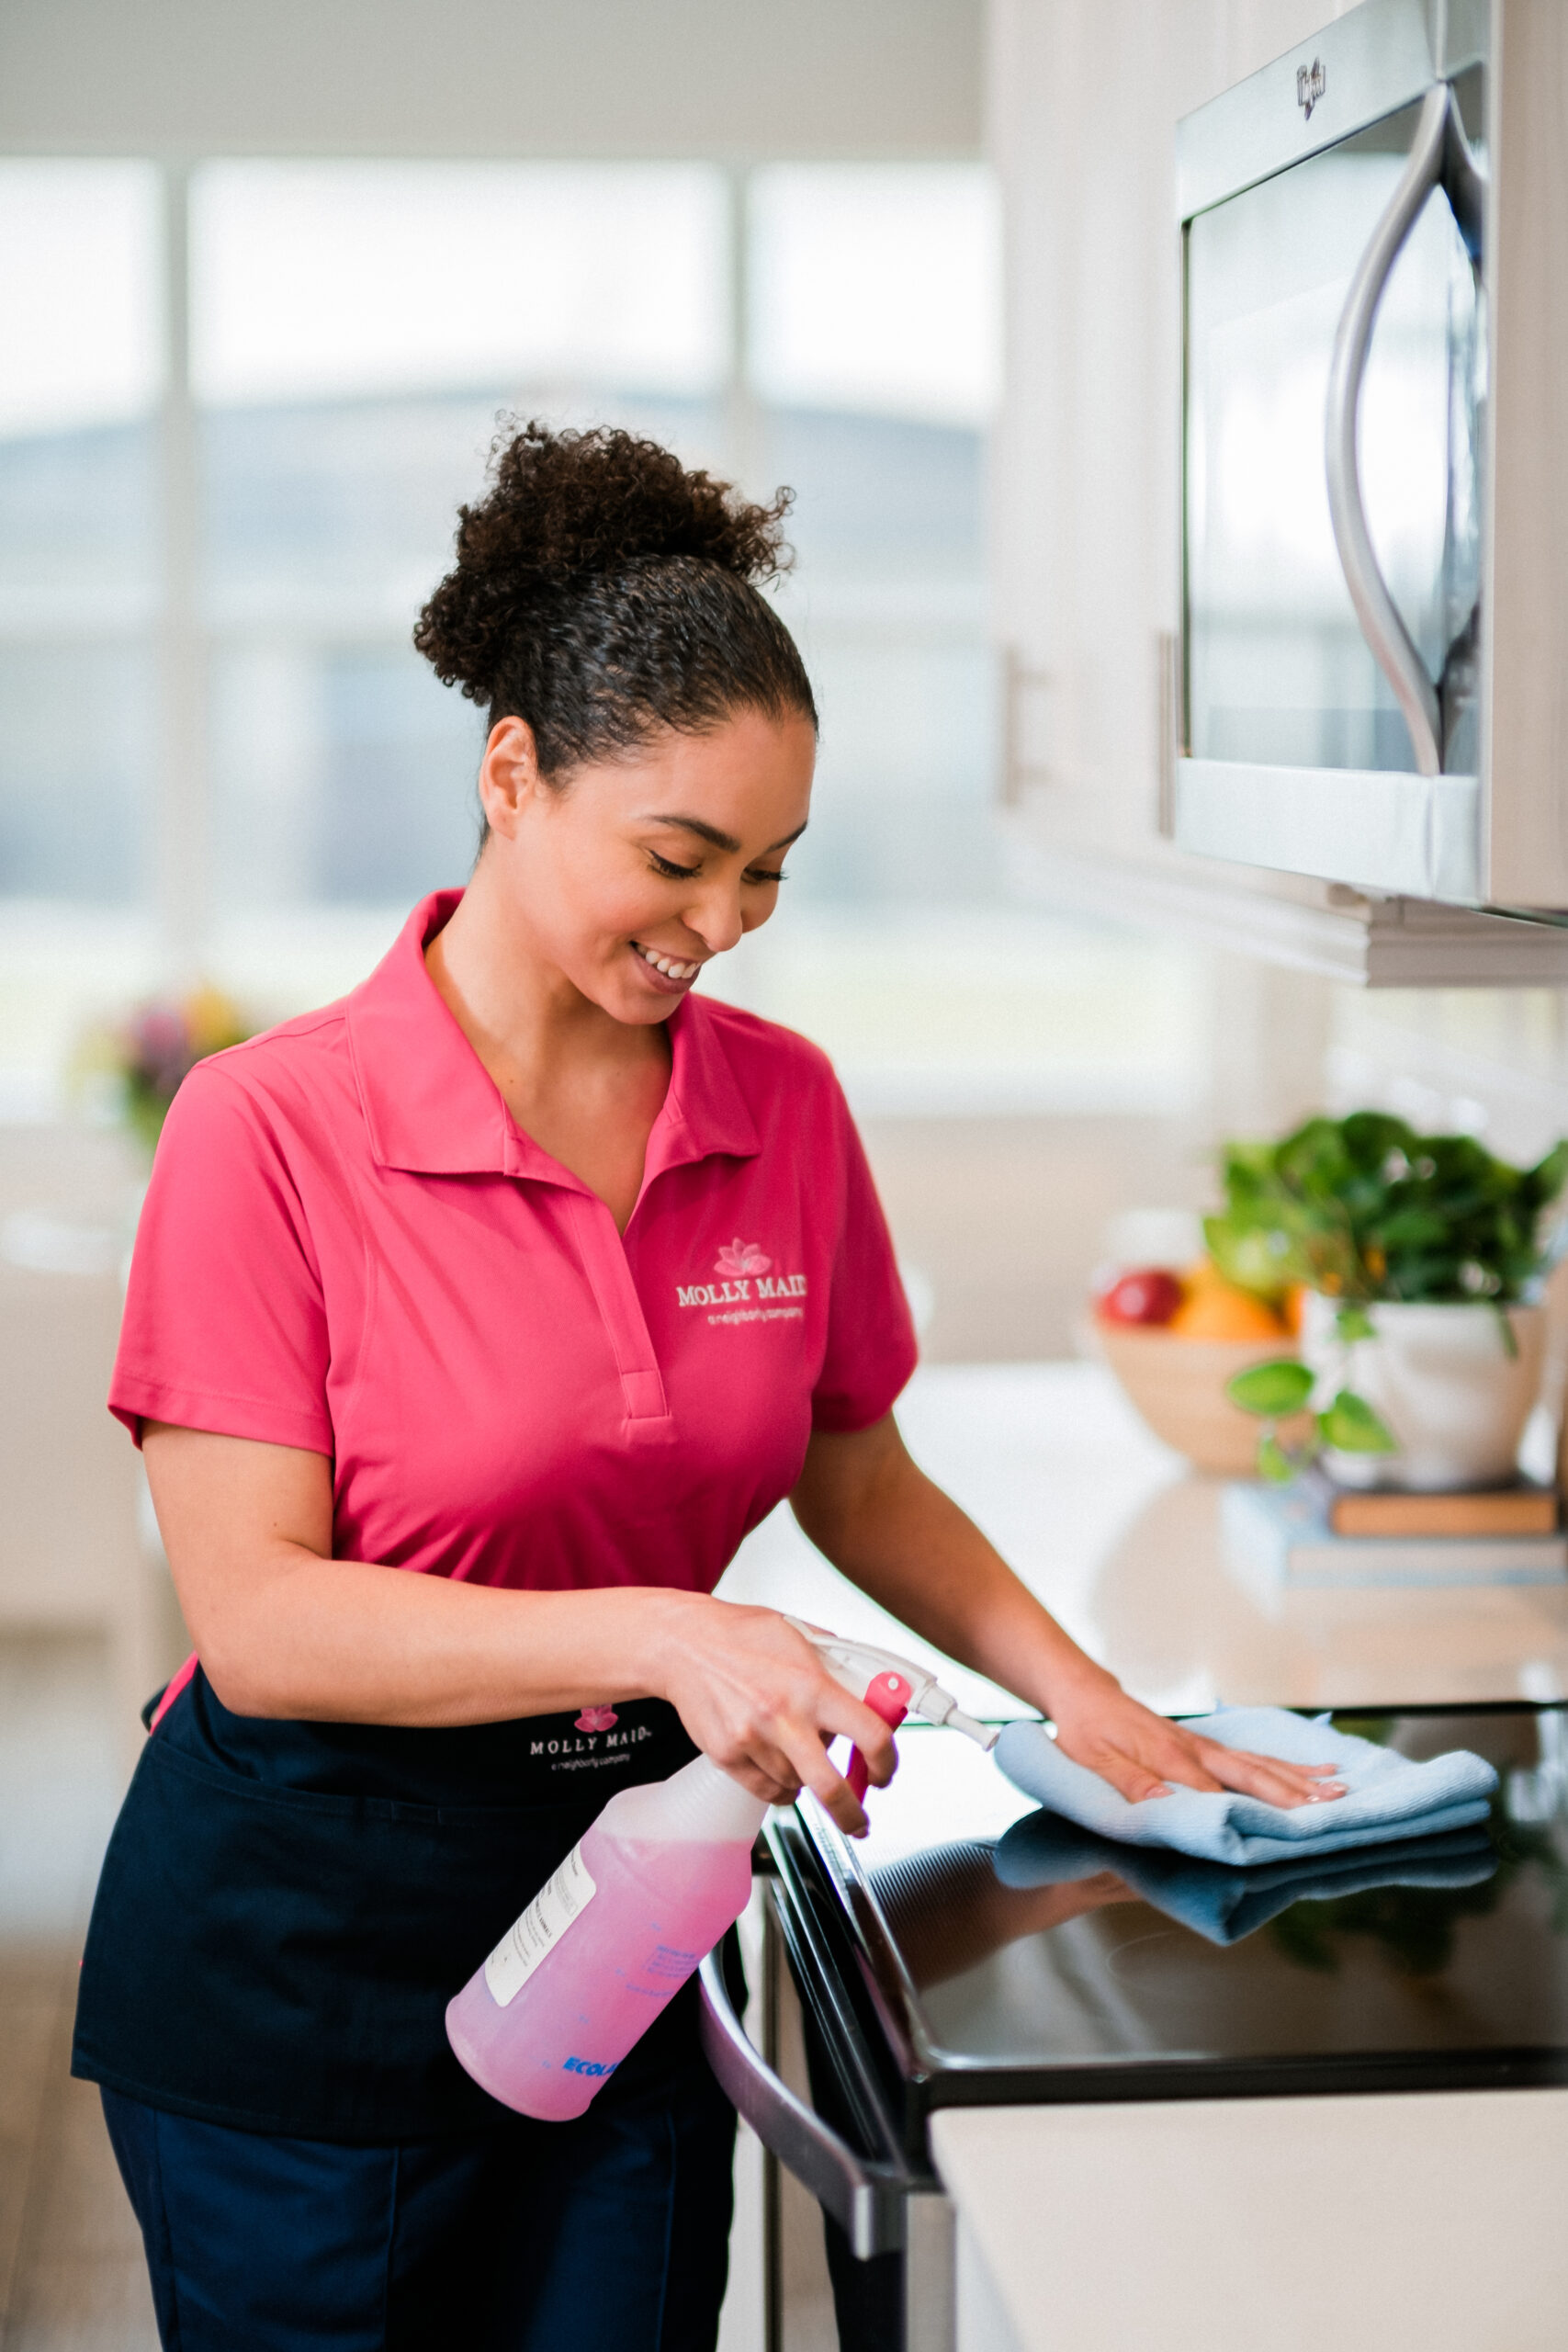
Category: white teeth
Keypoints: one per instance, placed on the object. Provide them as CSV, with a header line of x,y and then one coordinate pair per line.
x,y
666,963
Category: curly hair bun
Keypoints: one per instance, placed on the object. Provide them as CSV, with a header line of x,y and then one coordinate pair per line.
x,y
566,510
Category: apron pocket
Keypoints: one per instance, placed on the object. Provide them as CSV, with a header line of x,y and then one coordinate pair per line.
x,y
281,1960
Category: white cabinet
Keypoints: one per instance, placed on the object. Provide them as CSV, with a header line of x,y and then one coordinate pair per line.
x,y
1418,2221
1084,100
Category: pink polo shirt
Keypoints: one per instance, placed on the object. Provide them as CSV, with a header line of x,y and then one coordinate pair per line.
x,y
348,1245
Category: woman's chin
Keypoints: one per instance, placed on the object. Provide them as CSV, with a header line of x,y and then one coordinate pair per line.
x,y
637,1005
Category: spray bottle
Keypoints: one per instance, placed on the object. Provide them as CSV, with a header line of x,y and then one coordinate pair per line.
x,y
643,1896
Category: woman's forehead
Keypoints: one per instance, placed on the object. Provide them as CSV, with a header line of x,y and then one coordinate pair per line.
x,y
724,785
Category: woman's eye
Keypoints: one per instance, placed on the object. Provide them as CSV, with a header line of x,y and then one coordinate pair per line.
x,y
756,875
674,872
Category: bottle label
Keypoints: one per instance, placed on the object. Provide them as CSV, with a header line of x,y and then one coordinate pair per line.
x,y
547,1919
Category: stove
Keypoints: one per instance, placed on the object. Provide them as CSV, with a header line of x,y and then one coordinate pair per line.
x,y
975,1950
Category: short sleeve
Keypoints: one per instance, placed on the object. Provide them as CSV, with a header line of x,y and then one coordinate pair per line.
x,y
871,1349
224,1325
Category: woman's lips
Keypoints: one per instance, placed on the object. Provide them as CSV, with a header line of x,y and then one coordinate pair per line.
x,y
672,983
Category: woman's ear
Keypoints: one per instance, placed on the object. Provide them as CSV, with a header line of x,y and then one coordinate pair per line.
x,y
510,779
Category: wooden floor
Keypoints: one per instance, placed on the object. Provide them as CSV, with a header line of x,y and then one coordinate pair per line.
x,y
71,2272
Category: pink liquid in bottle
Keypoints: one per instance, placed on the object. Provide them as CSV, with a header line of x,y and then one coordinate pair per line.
x,y
581,1976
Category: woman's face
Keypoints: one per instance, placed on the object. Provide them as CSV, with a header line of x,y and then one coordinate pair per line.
x,y
643,869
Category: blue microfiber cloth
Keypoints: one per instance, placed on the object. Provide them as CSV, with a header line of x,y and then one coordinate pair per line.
x,y
1221,1902
1386,1796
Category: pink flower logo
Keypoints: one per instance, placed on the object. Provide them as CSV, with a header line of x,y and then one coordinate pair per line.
x,y
740,1257
596,1719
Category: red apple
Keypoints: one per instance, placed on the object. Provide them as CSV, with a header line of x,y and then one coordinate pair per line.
x,y
1150,1295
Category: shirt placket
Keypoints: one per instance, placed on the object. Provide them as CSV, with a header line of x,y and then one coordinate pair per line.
x,y
648,1420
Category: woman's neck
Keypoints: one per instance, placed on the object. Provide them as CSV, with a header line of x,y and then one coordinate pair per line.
x,y
587,1088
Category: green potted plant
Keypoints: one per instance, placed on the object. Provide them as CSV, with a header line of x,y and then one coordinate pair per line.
x,y
1421,1262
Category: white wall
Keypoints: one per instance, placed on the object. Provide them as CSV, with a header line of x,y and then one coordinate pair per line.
x,y
726,78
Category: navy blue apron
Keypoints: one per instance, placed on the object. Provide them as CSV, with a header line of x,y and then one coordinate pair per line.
x,y
286,1909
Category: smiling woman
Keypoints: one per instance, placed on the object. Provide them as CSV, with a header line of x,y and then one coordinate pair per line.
x,y
651,743
592,910
473,1323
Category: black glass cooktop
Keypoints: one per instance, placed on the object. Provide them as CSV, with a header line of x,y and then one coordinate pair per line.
x,y
1002,1953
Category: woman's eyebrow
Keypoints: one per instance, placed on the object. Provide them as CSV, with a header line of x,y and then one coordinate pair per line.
x,y
720,841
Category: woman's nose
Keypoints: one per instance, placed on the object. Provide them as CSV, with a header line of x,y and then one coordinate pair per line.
x,y
715,918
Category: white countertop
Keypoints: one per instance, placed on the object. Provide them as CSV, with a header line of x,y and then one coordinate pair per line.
x,y
1122,1542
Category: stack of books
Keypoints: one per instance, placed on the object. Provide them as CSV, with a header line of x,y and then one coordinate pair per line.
x,y
1312,1535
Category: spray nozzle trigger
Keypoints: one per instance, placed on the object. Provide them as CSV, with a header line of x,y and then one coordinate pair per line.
x,y
886,1682
888,1695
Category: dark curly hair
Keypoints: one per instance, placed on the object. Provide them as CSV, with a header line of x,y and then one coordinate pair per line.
x,y
601,592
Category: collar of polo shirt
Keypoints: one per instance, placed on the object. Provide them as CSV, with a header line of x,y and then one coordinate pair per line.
x,y
432,1109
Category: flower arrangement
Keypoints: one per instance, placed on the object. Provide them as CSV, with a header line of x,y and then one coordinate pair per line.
x,y
151,1052
1364,1211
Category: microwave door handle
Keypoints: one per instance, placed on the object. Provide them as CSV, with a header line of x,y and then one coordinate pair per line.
x,y
1381,624
1464,184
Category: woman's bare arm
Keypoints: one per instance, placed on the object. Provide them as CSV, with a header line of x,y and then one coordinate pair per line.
x,y
282,1629
864,1503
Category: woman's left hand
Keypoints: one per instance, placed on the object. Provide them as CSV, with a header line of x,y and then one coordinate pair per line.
x,y
1141,1754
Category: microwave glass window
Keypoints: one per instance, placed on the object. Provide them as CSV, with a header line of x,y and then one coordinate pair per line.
x,y
1278,672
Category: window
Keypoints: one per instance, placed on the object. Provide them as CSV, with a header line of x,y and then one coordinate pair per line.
x,y
79,386
356,329
224,496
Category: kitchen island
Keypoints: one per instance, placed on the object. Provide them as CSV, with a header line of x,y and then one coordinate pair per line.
x,y
1416,2219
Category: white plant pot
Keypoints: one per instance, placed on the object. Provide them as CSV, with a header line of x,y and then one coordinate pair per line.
x,y
1442,1382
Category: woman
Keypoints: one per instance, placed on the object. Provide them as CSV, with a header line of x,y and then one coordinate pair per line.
x,y
531,1274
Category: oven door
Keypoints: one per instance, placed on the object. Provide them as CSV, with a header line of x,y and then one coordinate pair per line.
x,y
1334,480
858,2240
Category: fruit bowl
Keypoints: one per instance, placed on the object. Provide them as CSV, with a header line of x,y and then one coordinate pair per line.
x,y
1177,1386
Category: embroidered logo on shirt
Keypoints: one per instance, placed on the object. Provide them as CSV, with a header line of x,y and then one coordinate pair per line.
x,y
740,1257
597,1719
748,1288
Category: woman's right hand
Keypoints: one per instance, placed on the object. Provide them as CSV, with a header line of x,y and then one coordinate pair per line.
x,y
758,1699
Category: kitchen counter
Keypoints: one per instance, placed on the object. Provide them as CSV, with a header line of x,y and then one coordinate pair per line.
x,y
1121,1542
1423,2221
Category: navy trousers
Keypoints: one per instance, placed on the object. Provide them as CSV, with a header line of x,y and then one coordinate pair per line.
x,y
611,2230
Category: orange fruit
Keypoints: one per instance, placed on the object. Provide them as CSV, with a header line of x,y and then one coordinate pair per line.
x,y
1214,1309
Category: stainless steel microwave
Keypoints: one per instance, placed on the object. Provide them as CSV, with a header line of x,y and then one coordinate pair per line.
x,y
1373,675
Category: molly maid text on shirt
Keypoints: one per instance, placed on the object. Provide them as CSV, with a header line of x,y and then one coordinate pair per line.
x,y
746,1273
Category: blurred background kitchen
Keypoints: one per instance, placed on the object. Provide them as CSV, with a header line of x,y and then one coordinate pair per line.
x,y
269,276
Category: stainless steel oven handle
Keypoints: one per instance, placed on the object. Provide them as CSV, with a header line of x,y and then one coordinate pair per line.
x,y
1381,624
866,2200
